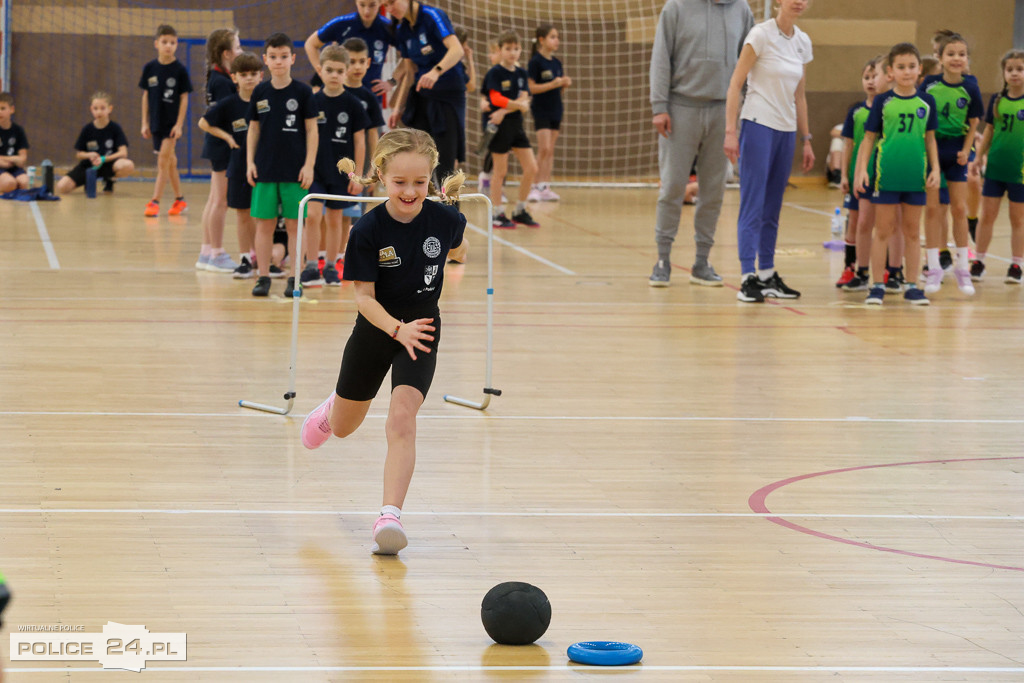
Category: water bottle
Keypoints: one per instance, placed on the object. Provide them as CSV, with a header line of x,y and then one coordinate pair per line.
x,y
31,177
837,224
90,182
48,175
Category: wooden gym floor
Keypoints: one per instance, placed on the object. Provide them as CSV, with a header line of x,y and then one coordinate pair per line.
x,y
801,491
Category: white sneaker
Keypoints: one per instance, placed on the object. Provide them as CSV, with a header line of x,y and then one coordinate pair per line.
x,y
547,194
963,281
535,195
933,280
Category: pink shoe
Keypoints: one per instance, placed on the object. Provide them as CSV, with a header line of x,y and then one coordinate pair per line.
x,y
388,535
316,428
548,195
963,281
933,280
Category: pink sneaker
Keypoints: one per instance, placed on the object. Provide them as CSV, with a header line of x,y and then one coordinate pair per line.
x,y
388,535
316,428
548,195
963,281
933,280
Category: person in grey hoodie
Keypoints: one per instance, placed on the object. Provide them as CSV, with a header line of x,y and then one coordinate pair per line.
x,y
696,46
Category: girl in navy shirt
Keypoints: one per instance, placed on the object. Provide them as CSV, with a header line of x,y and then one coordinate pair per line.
x,y
395,257
546,82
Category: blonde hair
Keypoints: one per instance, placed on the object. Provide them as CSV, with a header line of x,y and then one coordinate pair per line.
x,y
409,140
102,95
334,53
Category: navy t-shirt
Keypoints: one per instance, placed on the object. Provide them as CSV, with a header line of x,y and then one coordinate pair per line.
x,y
282,115
424,45
377,38
218,86
339,119
229,114
12,140
104,141
405,261
370,105
508,83
165,84
546,105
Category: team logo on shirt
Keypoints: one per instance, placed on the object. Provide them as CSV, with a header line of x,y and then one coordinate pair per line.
x,y
547,75
366,105
263,107
321,117
168,93
386,258
171,82
432,248
961,103
1020,115
153,81
428,274
339,133
423,39
239,125
426,50
921,112
378,56
521,84
91,146
291,104
505,85
110,144
289,120
343,117
378,45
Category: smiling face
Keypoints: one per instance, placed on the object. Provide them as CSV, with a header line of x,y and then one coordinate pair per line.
x,y
954,58
1013,73
406,179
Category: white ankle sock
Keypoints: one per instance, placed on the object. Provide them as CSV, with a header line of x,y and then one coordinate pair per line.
x,y
980,256
933,259
391,510
765,274
961,258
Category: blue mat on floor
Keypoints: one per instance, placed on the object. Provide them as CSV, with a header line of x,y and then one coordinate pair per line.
x,y
33,194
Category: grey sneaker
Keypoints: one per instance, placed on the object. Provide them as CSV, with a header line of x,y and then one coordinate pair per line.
x,y
202,262
661,273
221,263
704,274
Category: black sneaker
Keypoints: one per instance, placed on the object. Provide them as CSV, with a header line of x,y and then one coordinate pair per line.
x,y
775,287
244,271
859,283
310,276
750,290
289,289
946,260
977,270
972,227
1013,275
895,282
275,272
108,185
524,218
501,221
331,278
262,287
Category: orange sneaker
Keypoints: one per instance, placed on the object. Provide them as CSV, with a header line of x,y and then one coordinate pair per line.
x,y
153,208
178,207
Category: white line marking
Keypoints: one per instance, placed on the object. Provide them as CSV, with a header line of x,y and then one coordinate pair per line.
x,y
478,513
548,418
563,667
51,255
525,252
809,210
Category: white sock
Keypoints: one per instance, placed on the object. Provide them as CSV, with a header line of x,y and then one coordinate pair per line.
x,y
980,256
933,259
961,258
323,254
520,206
765,274
205,249
391,510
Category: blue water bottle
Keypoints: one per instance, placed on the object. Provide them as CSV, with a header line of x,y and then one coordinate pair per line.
x,y
90,182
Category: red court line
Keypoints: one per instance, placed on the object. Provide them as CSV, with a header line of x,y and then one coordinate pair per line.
x,y
757,504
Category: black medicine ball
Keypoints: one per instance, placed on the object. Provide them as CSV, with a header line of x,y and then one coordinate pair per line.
x,y
515,613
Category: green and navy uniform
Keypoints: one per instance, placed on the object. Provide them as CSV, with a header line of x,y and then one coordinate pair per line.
x,y
956,104
853,129
1004,171
900,158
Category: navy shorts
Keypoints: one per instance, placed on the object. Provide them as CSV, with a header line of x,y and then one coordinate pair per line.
x,y
997,188
158,139
911,198
330,188
510,136
14,171
371,352
544,123
851,201
239,192
948,149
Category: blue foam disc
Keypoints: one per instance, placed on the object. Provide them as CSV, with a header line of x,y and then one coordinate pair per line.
x,y
605,653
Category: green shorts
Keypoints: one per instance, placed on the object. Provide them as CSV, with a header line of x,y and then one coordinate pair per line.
x,y
267,196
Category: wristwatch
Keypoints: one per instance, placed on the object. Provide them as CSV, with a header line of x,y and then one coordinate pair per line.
x,y
807,138
439,68
392,81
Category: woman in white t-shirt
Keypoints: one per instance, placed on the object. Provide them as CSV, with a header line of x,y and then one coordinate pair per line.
x,y
772,65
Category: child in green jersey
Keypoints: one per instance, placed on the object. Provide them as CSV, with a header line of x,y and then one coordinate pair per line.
x,y
959,111
904,163
1003,143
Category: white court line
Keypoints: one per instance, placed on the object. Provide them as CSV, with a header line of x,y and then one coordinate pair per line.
x,y
809,209
639,668
51,255
525,252
547,418
478,513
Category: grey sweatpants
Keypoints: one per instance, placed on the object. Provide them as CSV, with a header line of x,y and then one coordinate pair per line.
x,y
697,133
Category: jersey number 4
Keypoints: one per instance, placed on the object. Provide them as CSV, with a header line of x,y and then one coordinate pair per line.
x,y
906,123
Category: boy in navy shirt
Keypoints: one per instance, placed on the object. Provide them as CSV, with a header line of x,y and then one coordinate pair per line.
x,y
13,148
101,145
505,88
367,24
280,153
166,86
341,121
226,120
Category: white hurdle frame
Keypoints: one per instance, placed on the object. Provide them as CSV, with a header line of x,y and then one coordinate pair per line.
x,y
298,258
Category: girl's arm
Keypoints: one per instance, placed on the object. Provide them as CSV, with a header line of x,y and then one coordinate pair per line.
x,y
803,126
964,154
845,168
537,88
979,159
452,57
354,188
403,75
732,101
933,159
216,132
471,70
860,174
409,334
